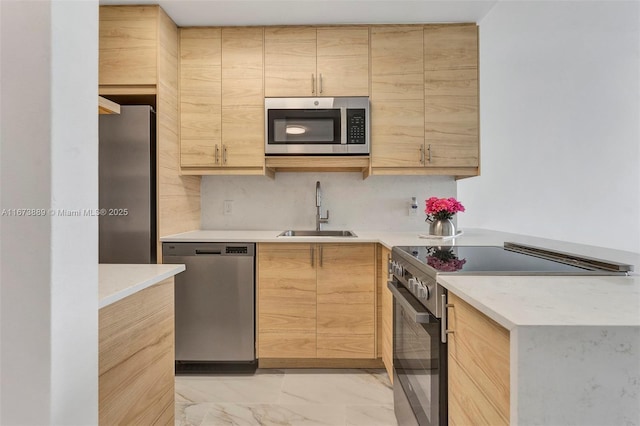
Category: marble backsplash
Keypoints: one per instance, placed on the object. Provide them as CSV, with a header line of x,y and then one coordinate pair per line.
x,y
288,201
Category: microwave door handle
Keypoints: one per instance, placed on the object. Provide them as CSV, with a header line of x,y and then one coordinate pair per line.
x,y
343,125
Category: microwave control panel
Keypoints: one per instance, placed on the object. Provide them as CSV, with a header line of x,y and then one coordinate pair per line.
x,y
356,126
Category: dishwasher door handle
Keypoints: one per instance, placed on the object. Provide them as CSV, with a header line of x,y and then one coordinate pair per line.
x,y
208,252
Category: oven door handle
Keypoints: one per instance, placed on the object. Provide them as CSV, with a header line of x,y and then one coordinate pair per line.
x,y
417,313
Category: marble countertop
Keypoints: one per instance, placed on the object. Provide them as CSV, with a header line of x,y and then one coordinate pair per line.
x,y
519,301
471,237
115,281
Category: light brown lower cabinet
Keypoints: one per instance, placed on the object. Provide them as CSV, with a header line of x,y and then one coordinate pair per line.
x,y
136,358
385,321
316,301
478,367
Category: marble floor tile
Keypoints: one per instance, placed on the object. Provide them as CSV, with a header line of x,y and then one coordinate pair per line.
x,y
190,414
353,387
263,387
288,397
264,414
370,415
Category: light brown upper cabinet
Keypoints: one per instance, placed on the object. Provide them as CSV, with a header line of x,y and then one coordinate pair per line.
x,y
128,45
200,97
397,96
424,99
242,97
451,95
316,61
221,100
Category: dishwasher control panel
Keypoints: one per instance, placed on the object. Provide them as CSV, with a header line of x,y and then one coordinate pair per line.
x,y
207,249
236,250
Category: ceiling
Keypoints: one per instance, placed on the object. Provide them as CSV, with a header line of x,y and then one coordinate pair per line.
x,y
288,12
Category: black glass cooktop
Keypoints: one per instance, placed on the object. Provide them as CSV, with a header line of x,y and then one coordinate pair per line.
x,y
490,260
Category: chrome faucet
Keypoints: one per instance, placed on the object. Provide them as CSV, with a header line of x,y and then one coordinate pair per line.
x,y
319,219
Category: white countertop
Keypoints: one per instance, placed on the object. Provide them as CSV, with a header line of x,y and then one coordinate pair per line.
x,y
470,237
517,301
115,281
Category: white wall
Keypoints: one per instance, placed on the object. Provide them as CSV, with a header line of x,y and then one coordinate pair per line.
x,y
560,123
288,202
48,264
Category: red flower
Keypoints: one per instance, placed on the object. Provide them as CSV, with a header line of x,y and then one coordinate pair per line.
x,y
442,208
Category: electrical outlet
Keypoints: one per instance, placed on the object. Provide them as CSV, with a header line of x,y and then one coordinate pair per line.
x,y
413,207
227,207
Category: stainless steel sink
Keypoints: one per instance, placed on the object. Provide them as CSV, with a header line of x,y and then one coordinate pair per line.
x,y
328,233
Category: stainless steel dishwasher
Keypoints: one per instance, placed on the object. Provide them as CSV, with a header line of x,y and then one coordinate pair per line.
x,y
214,306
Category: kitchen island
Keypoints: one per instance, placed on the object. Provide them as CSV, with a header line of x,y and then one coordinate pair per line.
x,y
574,344
136,343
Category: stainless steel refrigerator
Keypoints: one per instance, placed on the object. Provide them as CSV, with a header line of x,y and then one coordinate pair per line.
x,y
127,186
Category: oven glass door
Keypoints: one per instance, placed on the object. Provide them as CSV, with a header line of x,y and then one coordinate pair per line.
x,y
419,361
304,126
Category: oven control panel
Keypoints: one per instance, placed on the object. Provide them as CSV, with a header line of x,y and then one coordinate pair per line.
x,y
420,285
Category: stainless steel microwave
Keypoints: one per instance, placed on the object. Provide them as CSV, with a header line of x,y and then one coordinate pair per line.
x,y
329,126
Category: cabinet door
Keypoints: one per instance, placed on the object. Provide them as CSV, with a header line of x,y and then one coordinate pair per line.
x,y
397,133
343,61
242,97
200,97
397,96
451,95
346,301
286,301
289,61
478,367
385,328
128,45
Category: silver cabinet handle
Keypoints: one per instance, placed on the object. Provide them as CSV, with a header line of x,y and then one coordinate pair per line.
x,y
224,154
313,84
421,154
217,154
320,82
313,255
320,262
443,320
429,150
444,331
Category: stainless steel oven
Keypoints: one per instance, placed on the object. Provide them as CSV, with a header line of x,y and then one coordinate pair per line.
x,y
419,351
321,126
